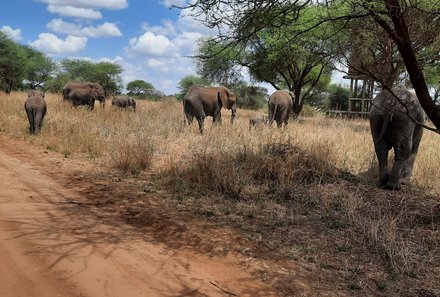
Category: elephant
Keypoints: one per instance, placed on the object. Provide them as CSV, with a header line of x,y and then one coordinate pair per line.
x,y
200,102
95,88
123,101
36,108
85,97
392,128
280,107
258,120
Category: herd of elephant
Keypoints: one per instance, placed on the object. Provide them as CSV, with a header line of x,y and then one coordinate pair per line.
x,y
395,118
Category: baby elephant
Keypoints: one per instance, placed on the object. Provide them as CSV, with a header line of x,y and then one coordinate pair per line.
x,y
258,120
36,108
123,101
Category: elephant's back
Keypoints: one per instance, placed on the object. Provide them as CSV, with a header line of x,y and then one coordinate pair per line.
x,y
385,102
120,98
35,102
280,97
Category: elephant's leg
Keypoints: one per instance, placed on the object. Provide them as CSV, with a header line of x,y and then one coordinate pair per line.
x,y
30,120
409,165
270,117
217,118
382,158
188,119
38,121
201,121
282,118
279,123
402,153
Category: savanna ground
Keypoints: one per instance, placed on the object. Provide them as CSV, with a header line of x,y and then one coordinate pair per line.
x,y
300,204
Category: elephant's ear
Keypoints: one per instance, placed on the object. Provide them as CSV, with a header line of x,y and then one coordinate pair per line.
x,y
222,95
292,94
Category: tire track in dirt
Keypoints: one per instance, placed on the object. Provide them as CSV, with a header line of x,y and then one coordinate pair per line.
x,y
49,249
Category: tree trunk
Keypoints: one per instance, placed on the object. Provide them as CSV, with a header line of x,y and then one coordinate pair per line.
x,y
403,41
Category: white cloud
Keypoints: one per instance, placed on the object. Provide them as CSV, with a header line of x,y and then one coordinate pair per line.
x,y
187,42
97,4
156,63
166,29
150,44
15,34
102,30
171,3
117,60
70,11
51,44
164,50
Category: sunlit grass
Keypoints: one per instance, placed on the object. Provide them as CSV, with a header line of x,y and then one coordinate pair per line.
x,y
101,133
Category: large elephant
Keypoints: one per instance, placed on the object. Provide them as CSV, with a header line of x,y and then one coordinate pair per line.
x,y
200,102
36,108
95,88
123,101
280,107
85,97
392,128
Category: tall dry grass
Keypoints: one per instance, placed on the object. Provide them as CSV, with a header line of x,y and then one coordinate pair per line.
x,y
268,181
101,133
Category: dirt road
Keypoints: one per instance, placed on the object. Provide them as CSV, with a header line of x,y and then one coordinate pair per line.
x,y
47,248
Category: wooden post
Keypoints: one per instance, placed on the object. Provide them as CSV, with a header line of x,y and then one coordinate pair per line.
x,y
350,95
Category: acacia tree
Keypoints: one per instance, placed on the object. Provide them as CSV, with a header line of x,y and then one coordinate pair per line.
x,y
39,68
139,88
12,63
273,56
241,20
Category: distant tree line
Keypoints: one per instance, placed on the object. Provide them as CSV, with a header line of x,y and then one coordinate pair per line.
x,y
23,68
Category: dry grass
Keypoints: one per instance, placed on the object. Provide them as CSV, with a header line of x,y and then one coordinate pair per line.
x,y
306,193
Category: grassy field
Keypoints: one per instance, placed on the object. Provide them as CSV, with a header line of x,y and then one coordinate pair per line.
x,y
305,193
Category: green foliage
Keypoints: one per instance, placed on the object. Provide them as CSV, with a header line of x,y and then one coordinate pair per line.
x,y
139,88
250,96
39,68
56,83
338,97
302,63
432,75
218,63
189,81
143,90
13,58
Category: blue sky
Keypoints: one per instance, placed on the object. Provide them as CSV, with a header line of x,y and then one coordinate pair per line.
x,y
147,38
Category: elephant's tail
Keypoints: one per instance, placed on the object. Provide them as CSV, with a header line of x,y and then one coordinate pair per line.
x,y
271,119
184,111
388,118
275,112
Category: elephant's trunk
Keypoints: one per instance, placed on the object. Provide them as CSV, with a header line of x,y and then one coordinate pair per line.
x,y
234,113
